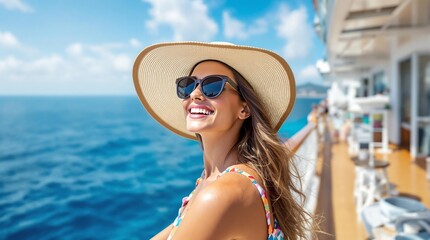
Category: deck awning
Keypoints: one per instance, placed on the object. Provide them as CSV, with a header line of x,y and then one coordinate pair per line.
x,y
361,31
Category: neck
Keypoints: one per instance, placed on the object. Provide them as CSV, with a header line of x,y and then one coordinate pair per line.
x,y
219,152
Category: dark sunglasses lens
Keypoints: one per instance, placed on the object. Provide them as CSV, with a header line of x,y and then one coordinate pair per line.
x,y
212,86
185,87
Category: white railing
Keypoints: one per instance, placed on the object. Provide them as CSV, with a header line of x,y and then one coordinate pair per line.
x,y
305,146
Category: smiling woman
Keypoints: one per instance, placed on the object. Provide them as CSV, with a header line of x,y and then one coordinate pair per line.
x,y
233,100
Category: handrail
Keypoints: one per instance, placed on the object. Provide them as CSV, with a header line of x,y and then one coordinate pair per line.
x,y
297,139
304,146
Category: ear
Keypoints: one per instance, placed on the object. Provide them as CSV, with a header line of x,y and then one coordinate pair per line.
x,y
244,112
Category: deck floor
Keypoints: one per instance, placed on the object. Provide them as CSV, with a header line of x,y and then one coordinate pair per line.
x,y
336,203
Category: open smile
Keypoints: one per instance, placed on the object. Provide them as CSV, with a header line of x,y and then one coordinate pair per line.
x,y
199,111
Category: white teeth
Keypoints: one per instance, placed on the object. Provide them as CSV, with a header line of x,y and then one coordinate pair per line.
x,y
200,110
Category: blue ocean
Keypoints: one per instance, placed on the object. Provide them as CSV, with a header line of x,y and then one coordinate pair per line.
x,y
95,167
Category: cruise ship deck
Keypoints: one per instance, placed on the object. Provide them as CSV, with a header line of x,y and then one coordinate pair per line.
x,y
377,61
336,201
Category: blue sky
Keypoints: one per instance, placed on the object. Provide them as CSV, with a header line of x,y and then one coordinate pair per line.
x,y
87,47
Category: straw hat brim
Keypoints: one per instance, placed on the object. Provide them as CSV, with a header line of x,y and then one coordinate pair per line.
x,y
158,66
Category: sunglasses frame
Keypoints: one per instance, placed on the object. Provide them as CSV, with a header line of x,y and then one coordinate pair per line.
x,y
200,82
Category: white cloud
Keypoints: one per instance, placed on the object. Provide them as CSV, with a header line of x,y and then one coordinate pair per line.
x,y
75,49
108,55
309,73
296,30
188,19
135,43
16,5
9,63
258,27
81,69
47,64
234,28
7,39
122,62
96,58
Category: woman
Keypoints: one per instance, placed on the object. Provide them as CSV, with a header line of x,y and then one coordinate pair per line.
x,y
234,99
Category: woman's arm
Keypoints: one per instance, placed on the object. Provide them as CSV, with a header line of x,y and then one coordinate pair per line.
x,y
163,234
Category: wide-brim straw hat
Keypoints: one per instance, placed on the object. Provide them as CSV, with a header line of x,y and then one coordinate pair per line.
x,y
158,66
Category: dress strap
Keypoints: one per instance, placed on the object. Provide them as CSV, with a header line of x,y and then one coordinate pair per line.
x,y
180,216
260,190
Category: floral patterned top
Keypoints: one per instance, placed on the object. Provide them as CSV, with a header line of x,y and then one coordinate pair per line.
x,y
274,232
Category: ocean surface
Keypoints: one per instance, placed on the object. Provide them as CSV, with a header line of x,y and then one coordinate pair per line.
x,y
95,167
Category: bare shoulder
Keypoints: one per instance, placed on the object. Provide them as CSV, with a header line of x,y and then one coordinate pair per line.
x,y
222,209
231,188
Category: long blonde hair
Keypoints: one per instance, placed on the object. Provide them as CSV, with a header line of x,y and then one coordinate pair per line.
x,y
260,147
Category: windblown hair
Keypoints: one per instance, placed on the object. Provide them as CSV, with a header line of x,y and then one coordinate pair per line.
x,y
260,147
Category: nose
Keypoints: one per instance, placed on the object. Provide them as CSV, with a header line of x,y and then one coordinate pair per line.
x,y
197,93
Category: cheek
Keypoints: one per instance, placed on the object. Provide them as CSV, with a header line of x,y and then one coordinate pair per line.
x,y
184,106
228,110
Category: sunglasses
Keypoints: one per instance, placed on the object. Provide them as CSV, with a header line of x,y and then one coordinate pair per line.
x,y
211,86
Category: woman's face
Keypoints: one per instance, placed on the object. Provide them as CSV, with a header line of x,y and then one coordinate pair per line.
x,y
225,111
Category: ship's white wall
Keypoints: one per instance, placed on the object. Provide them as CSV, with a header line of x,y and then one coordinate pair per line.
x,y
401,50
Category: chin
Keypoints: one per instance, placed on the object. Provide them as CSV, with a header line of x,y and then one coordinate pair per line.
x,y
198,129
196,126
195,129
